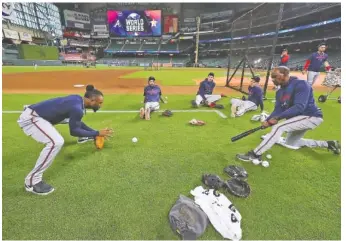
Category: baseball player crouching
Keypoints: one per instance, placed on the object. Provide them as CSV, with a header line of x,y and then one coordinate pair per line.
x,y
152,96
205,94
255,99
295,105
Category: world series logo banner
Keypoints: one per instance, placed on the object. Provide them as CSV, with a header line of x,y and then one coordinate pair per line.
x,y
134,23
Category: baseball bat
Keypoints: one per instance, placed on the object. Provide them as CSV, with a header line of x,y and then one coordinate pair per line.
x,y
246,133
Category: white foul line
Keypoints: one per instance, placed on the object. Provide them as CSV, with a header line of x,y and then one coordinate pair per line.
x,y
219,113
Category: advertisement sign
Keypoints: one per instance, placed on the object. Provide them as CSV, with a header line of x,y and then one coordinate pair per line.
x,y
11,34
76,20
170,24
189,20
75,34
134,23
217,15
100,28
25,36
100,35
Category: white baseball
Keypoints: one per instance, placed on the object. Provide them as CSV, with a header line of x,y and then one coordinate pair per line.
x,y
166,98
256,161
265,164
134,139
269,156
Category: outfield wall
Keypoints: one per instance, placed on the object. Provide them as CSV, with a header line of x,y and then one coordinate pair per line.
x,y
22,62
36,52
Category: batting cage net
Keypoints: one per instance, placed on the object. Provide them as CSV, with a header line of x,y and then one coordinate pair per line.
x,y
258,37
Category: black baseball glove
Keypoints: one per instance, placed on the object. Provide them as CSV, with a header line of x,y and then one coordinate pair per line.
x,y
212,181
238,187
167,113
236,171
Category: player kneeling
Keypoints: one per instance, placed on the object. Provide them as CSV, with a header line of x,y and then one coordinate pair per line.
x,y
152,96
205,94
255,99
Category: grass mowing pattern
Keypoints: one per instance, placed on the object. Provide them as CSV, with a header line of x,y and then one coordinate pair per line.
x,y
126,190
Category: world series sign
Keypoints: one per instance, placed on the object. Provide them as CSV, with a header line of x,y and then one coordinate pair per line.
x,y
77,20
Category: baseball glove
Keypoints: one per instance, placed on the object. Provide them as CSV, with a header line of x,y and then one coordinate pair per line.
x,y
212,181
236,171
196,122
238,187
167,113
99,142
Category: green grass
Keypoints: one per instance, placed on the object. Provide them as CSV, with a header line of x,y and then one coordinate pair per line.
x,y
126,190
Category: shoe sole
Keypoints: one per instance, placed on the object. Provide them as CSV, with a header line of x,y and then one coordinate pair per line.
x,y
28,189
81,142
244,160
337,150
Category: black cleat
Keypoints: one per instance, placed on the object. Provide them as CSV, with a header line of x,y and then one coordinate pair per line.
x,y
250,157
334,146
194,104
82,140
40,188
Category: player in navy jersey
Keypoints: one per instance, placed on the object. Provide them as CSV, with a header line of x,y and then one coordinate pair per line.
x,y
255,99
152,96
295,105
38,121
314,63
205,94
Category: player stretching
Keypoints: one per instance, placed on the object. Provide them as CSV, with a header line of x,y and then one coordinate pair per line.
x,y
314,63
284,58
204,94
255,99
294,103
152,96
37,121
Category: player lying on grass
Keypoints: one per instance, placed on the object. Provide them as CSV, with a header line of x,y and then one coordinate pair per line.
x,y
255,99
38,121
152,96
205,94
295,105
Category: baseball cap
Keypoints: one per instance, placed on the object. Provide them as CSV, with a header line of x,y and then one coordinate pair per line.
x,y
322,44
256,78
187,219
151,78
211,74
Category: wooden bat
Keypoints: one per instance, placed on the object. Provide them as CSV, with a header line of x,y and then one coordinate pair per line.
x,y
246,133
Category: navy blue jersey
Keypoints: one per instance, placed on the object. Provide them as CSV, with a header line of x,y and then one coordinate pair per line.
x,y
256,96
57,109
295,99
315,61
152,93
206,88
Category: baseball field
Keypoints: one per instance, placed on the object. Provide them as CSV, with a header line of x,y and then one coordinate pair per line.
x,y
125,191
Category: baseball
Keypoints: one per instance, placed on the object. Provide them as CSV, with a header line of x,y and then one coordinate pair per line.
x,y
269,156
166,98
256,161
265,164
134,139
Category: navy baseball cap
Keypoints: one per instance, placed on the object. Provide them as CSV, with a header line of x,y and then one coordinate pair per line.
x,y
211,74
322,44
256,78
151,78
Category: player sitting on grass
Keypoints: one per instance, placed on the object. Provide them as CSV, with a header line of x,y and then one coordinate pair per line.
x,y
255,99
152,96
38,120
295,105
204,95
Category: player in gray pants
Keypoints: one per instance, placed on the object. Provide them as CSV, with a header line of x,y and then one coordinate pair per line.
x,y
294,103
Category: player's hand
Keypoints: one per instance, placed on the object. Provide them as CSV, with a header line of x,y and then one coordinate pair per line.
x,y
265,124
272,121
106,132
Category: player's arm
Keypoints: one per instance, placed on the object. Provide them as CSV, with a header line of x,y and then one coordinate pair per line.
x,y
261,100
85,127
75,125
327,65
301,98
201,90
285,58
145,97
307,63
160,94
277,110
